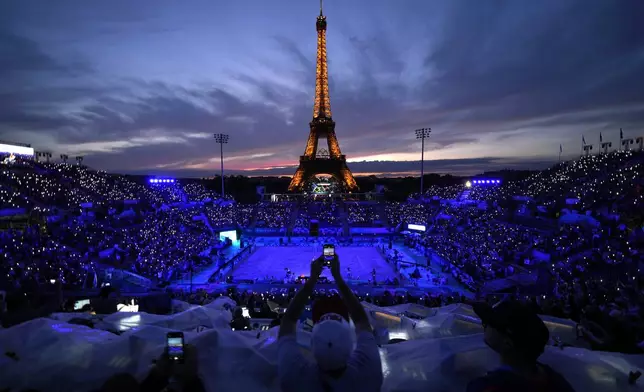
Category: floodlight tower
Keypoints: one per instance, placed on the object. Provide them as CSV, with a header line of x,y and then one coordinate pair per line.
x,y
221,139
605,146
421,134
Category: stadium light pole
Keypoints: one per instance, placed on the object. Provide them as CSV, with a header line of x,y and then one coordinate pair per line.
x,y
221,139
421,134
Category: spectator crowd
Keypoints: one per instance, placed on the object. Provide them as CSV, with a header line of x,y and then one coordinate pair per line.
x,y
567,240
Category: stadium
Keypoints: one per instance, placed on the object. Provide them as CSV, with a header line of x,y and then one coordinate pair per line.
x,y
109,264
100,271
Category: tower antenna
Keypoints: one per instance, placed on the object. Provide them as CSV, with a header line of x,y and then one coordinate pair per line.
x,y
321,7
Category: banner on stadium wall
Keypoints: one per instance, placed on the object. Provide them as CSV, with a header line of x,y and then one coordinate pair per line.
x,y
540,256
13,211
415,227
268,230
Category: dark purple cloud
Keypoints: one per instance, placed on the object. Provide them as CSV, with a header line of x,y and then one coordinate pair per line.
x,y
141,88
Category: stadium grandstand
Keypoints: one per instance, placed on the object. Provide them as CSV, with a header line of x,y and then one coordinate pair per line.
x,y
96,268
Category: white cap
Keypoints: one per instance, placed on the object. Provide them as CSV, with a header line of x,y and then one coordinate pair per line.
x,y
332,342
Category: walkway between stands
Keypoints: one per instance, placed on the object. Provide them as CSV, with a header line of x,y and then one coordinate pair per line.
x,y
434,267
205,274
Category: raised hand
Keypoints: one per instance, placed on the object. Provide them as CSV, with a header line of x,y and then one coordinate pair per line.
x,y
316,268
335,267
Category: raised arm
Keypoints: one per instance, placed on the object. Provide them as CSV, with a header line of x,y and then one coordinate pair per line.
x,y
288,324
356,311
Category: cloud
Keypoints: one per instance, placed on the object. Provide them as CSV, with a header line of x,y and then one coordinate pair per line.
x,y
523,61
502,79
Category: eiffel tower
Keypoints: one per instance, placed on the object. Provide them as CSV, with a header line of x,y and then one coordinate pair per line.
x,y
322,161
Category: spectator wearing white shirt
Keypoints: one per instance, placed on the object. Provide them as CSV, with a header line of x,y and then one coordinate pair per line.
x,y
338,366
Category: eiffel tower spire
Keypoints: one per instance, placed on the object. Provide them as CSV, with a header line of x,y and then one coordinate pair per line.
x,y
322,105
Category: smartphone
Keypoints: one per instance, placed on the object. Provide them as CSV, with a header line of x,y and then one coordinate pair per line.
x,y
174,344
328,253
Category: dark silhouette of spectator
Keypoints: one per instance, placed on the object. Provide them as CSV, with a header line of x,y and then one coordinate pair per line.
x,y
519,336
166,375
239,322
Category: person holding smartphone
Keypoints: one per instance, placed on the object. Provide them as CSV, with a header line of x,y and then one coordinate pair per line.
x,y
176,369
338,366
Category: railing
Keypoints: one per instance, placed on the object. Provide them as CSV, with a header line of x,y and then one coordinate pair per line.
x,y
230,264
294,197
128,277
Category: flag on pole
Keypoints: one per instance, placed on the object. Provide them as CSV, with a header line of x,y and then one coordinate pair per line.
x,y
583,140
560,149
600,137
621,133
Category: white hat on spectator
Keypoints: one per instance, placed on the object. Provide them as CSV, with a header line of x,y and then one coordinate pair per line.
x,y
332,342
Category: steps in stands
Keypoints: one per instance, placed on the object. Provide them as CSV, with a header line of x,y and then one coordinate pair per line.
x,y
382,211
292,219
255,216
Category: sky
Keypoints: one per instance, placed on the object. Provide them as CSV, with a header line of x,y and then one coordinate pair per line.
x,y
141,86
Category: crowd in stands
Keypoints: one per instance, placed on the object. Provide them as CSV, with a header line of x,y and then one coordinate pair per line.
x,y
449,192
413,212
267,304
325,212
76,220
29,183
586,268
364,214
230,215
157,244
273,215
572,234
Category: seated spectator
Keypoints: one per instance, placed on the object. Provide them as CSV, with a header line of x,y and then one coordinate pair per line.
x,y
337,366
519,336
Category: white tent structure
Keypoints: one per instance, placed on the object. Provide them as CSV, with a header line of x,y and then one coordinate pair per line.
x,y
443,351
